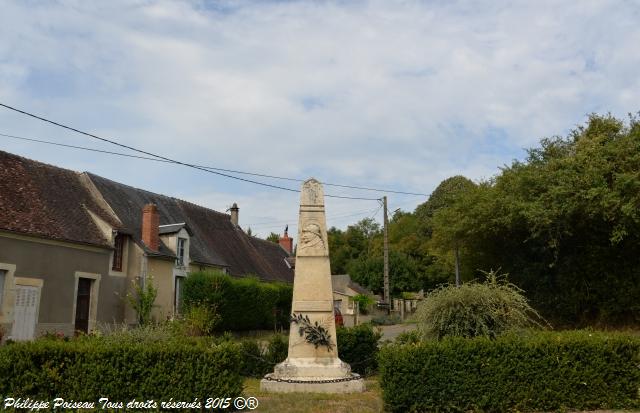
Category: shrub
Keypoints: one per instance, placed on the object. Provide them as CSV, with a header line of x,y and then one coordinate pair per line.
x,y
475,309
143,300
386,320
408,337
358,346
258,360
542,371
90,368
200,320
241,303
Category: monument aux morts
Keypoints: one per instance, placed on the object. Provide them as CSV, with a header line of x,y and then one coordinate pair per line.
x,y
312,364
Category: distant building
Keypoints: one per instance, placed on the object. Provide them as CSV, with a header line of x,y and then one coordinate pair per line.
x,y
344,289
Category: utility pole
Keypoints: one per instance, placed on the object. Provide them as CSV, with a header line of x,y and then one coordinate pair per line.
x,y
457,267
387,298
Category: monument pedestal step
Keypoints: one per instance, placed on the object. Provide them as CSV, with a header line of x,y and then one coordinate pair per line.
x,y
352,383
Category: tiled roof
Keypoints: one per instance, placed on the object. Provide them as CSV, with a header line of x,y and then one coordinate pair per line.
x,y
343,281
50,202
214,240
46,201
173,228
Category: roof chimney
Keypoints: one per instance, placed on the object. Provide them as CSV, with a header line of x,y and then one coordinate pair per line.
x,y
234,214
150,223
286,242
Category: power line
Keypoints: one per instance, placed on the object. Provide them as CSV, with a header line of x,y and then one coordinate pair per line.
x,y
271,224
84,148
158,158
173,160
328,217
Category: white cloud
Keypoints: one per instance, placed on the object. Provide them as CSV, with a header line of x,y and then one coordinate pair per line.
x,y
380,93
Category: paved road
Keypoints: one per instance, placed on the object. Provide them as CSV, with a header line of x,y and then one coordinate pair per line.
x,y
392,331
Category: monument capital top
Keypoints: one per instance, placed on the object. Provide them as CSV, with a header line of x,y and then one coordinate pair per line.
x,y
312,193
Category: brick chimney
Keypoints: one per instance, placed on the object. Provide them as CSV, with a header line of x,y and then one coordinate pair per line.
x,y
286,242
235,212
150,223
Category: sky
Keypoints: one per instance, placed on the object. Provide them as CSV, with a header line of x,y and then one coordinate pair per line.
x,y
397,95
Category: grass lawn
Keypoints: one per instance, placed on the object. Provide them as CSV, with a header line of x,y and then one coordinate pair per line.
x,y
369,401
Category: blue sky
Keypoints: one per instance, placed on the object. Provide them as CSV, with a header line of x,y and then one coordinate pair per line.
x,y
391,94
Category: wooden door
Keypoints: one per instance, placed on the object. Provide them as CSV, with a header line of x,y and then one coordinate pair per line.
x,y
25,312
83,301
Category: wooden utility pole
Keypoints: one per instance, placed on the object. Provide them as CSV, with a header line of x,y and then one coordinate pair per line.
x,y
387,298
457,267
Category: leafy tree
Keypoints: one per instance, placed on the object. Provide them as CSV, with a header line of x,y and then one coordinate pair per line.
x,y
346,246
367,270
273,237
564,221
440,215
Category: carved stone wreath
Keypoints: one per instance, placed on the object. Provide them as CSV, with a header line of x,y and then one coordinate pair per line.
x,y
313,333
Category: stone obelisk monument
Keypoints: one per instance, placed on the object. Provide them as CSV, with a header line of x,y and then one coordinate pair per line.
x,y
312,364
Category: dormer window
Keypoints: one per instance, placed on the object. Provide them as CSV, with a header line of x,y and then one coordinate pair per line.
x,y
118,253
182,244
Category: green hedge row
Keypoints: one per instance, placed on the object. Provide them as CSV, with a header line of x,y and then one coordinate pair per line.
x,y
242,303
87,370
543,371
358,346
259,359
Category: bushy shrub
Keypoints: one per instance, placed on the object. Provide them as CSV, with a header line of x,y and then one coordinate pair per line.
x,y
199,320
143,299
90,368
241,303
475,309
386,320
259,359
541,371
408,337
358,346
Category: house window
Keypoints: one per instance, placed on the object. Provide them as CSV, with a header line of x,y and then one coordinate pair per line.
x,y
2,279
177,298
118,253
180,253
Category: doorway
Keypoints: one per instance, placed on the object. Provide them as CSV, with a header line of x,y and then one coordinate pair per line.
x,y
25,312
83,303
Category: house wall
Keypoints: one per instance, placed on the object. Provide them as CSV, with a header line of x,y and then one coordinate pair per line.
x,y
135,266
56,266
162,272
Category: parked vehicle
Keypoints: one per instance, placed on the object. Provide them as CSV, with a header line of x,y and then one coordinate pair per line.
x,y
338,316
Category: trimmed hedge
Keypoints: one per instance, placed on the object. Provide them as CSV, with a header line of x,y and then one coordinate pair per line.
x,y
89,369
543,371
242,303
358,346
258,360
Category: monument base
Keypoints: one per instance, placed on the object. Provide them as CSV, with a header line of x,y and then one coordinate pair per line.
x,y
351,384
312,375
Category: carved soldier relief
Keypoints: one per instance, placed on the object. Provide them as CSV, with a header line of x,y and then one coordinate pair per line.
x,y
311,240
312,231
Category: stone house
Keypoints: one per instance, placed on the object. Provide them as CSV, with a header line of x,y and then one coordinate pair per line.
x,y
344,289
72,245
